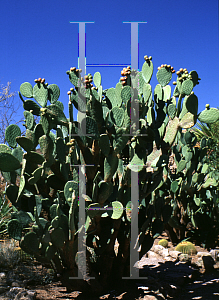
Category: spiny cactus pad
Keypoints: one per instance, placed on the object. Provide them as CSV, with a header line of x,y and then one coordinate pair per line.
x,y
25,143
209,116
54,93
11,132
147,71
97,79
26,90
5,148
187,87
29,120
8,163
40,94
15,229
31,105
164,76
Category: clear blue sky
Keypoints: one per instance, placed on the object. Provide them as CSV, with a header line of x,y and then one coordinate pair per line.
x,y
37,40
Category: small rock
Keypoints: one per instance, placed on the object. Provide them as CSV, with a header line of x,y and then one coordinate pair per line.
x,y
149,297
184,257
164,252
157,248
151,254
21,294
206,262
32,294
2,275
215,254
17,284
174,254
168,258
14,291
199,263
200,254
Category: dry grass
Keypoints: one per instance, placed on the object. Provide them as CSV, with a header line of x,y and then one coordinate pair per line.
x,y
11,254
9,257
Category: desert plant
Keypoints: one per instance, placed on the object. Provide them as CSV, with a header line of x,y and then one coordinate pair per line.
x,y
5,213
111,153
210,131
163,242
9,258
186,248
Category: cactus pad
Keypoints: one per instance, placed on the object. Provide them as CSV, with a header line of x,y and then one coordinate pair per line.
x,y
181,165
117,211
104,191
187,121
57,114
26,90
31,241
5,148
25,143
18,153
167,93
117,116
29,120
187,87
8,163
50,252
46,146
111,95
171,110
174,186
209,116
57,237
91,127
74,78
147,71
97,79
146,92
126,94
40,94
192,104
104,144
110,166
164,76
70,186
34,157
11,132
31,105
54,93
171,131
15,229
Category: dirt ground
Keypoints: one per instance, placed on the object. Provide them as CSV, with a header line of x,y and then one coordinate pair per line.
x,y
159,285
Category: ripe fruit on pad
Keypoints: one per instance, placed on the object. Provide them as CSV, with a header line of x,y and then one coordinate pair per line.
x,y
186,248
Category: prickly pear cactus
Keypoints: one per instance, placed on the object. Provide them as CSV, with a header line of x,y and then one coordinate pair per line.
x,y
47,163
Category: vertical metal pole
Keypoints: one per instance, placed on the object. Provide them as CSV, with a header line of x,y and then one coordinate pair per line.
x,y
134,255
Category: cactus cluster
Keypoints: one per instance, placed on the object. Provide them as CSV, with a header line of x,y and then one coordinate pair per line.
x,y
49,178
